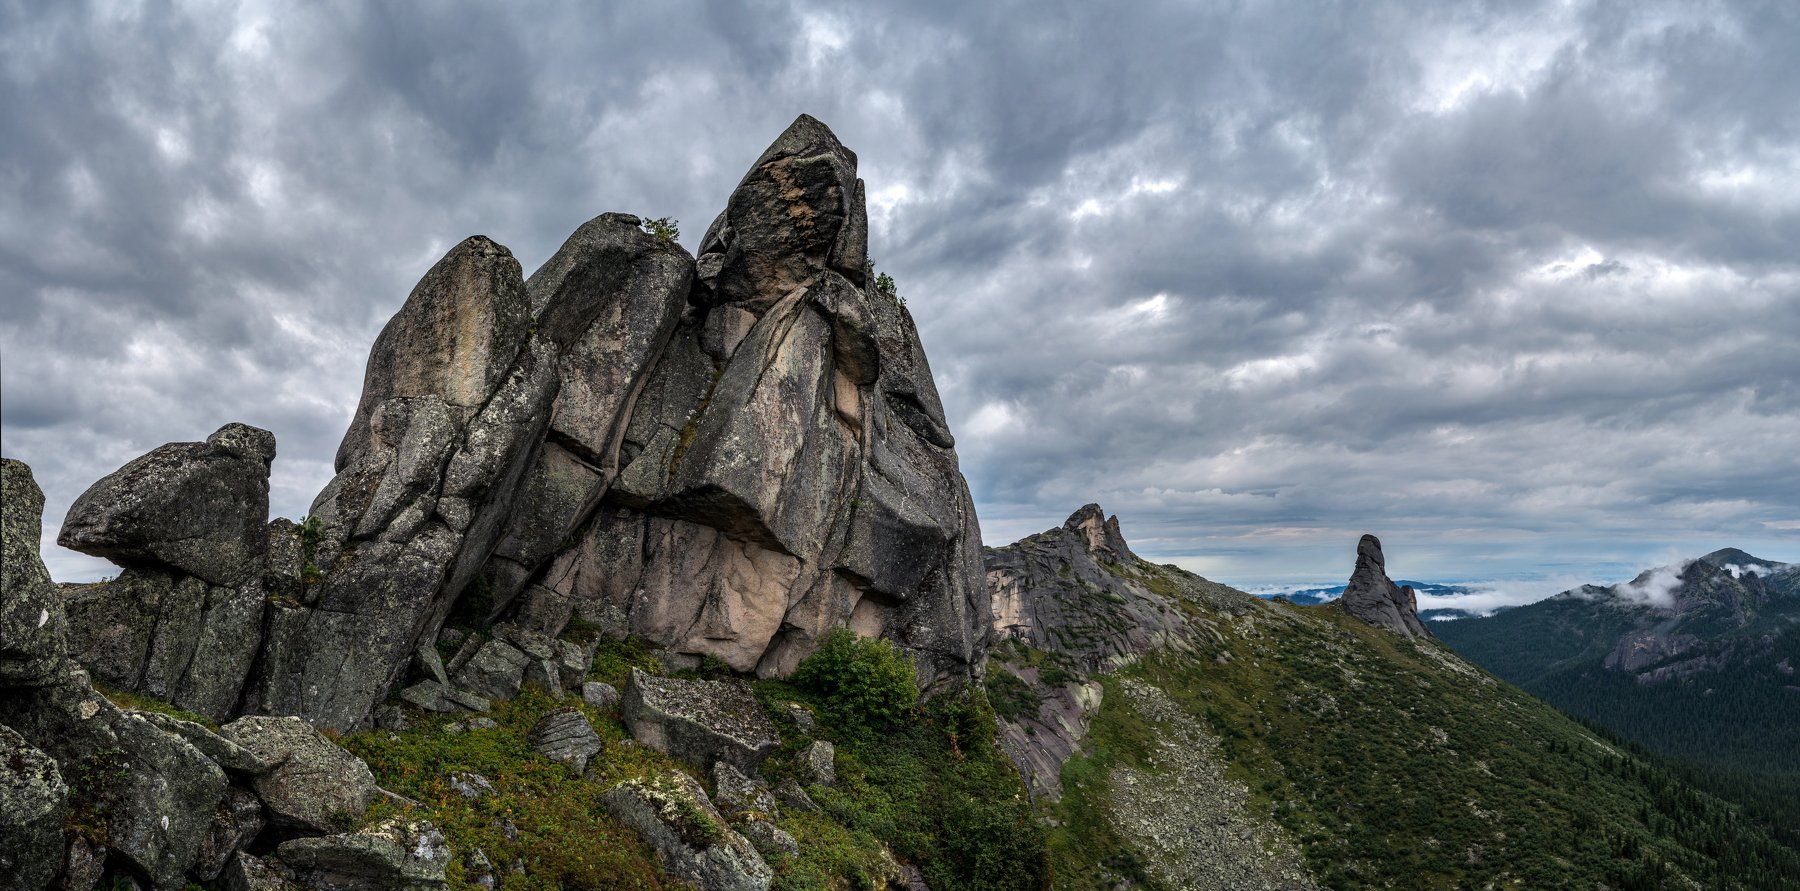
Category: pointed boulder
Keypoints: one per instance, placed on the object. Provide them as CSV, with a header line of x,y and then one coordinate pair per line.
x,y
1374,598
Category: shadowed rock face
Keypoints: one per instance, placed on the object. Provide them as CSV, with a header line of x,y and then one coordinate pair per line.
x,y
1374,598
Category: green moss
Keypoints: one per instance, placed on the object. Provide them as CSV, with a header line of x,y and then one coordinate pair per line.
x,y
142,703
614,660
542,813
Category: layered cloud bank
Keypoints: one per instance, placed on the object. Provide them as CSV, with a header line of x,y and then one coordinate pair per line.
x,y
1514,289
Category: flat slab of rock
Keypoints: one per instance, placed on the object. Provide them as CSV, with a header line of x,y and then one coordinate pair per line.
x,y
699,722
389,856
565,736
316,785
671,813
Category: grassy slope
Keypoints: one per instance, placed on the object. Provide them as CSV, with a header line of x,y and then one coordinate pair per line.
x,y
1400,766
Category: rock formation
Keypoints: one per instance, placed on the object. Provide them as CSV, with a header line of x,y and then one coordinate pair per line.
x,y
92,790
1078,595
1374,598
728,457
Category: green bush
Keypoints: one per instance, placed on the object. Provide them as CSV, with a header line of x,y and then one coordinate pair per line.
x,y
663,228
860,682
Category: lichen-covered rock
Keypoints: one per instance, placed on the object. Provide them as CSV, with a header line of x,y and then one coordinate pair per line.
x,y
602,696
316,785
1374,598
235,824
699,722
818,763
496,671
565,736
768,838
33,806
197,507
169,635
32,622
230,756
737,794
247,872
148,793
671,812
394,855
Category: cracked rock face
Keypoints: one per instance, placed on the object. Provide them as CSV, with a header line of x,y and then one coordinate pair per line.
x,y
1374,598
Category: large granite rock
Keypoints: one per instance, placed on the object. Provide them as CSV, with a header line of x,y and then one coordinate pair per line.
x,y
32,620
195,507
316,786
1374,598
33,805
785,467
671,812
699,722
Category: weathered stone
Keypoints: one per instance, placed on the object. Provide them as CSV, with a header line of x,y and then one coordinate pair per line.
x,y
428,695
317,786
33,804
572,663
430,665
394,855
84,866
32,622
671,813
565,736
198,507
768,838
246,872
793,795
476,723
230,756
467,701
699,722
737,794
602,696
391,717
801,717
472,786
495,672
160,792
818,763
1374,598
235,824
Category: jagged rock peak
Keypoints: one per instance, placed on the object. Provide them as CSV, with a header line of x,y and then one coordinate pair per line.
x,y
1102,532
1374,598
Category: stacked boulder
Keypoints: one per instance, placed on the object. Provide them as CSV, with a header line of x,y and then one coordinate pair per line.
x,y
92,790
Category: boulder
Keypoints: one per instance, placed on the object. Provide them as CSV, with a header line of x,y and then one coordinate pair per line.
x,y
768,838
317,786
197,507
671,813
33,806
235,824
699,722
147,793
793,795
247,872
230,756
565,736
738,794
394,855
602,696
818,763
1374,598
496,671
32,623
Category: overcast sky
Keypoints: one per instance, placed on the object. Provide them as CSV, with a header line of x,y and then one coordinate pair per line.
x,y
1515,287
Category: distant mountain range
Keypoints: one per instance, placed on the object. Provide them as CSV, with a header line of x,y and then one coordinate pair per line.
x,y
1700,660
1316,596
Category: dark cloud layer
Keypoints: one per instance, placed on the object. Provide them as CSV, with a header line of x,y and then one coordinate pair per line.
x,y
1514,285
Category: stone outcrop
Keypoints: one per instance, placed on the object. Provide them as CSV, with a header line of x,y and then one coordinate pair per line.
x,y
32,621
1079,595
671,813
394,855
699,722
315,785
34,803
1374,598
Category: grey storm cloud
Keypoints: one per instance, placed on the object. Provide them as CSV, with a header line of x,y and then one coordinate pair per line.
x,y
1514,285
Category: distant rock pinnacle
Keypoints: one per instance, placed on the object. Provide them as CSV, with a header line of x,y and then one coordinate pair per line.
x,y
1374,598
